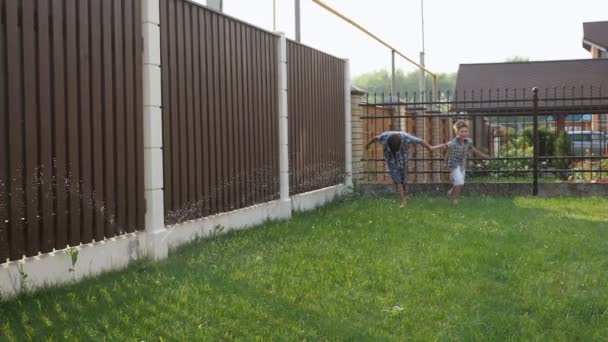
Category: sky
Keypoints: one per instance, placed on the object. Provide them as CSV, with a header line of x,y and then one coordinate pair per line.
x,y
456,31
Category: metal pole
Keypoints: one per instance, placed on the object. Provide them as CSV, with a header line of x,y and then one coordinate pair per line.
x,y
422,81
343,17
535,142
393,79
298,21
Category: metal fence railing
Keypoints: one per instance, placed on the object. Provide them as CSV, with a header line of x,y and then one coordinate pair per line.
x,y
533,136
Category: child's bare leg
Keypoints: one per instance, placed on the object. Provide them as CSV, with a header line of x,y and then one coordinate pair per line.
x,y
403,191
457,193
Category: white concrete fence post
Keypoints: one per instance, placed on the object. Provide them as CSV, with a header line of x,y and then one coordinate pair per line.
x,y
348,181
283,119
155,247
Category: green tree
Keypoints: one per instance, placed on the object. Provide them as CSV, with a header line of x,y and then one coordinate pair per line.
x,y
379,81
518,59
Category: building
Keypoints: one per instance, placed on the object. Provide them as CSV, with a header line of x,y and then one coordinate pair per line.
x,y
556,80
595,38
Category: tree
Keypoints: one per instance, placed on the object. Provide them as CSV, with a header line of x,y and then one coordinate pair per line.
x,y
379,81
518,59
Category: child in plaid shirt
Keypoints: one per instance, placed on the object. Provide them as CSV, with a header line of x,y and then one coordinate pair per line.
x,y
396,154
456,157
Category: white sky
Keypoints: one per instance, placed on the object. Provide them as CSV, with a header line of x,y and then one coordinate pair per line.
x,y
456,31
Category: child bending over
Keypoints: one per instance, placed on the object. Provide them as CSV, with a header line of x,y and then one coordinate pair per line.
x,y
396,155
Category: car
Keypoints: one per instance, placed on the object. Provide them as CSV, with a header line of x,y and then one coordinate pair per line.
x,y
586,143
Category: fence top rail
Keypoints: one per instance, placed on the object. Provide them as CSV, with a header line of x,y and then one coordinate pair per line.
x,y
545,104
263,30
291,41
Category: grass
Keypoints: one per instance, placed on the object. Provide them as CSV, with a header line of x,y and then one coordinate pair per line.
x,y
360,269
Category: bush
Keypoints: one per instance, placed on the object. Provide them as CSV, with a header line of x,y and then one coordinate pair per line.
x,y
546,144
562,149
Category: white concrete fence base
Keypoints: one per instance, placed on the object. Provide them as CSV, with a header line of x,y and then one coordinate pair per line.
x,y
55,269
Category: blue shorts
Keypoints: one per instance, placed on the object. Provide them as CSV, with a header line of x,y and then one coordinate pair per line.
x,y
398,175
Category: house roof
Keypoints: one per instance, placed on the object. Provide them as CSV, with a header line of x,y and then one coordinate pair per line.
x,y
354,90
595,33
515,80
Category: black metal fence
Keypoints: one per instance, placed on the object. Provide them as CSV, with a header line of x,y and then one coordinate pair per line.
x,y
548,135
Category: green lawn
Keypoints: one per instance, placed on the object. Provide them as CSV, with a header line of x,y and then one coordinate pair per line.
x,y
361,269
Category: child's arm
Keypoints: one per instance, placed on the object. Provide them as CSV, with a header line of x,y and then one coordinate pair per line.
x,y
479,153
375,139
437,147
426,145
415,140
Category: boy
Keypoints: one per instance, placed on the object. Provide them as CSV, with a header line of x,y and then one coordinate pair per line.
x,y
456,158
396,155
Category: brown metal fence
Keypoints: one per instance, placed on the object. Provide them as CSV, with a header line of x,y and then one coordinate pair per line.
x,y
220,112
316,118
71,161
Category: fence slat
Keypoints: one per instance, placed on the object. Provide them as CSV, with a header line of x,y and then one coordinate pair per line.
x,y
86,131
197,100
109,110
259,55
223,126
4,139
214,114
190,145
232,101
119,89
248,99
267,119
59,110
73,122
31,167
15,133
206,103
240,132
97,115
182,114
130,117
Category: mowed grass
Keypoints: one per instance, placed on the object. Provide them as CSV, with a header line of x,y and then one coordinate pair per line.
x,y
360,269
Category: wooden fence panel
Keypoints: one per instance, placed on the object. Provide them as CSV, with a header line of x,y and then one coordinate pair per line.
x,y
316,118
71,165
220,113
